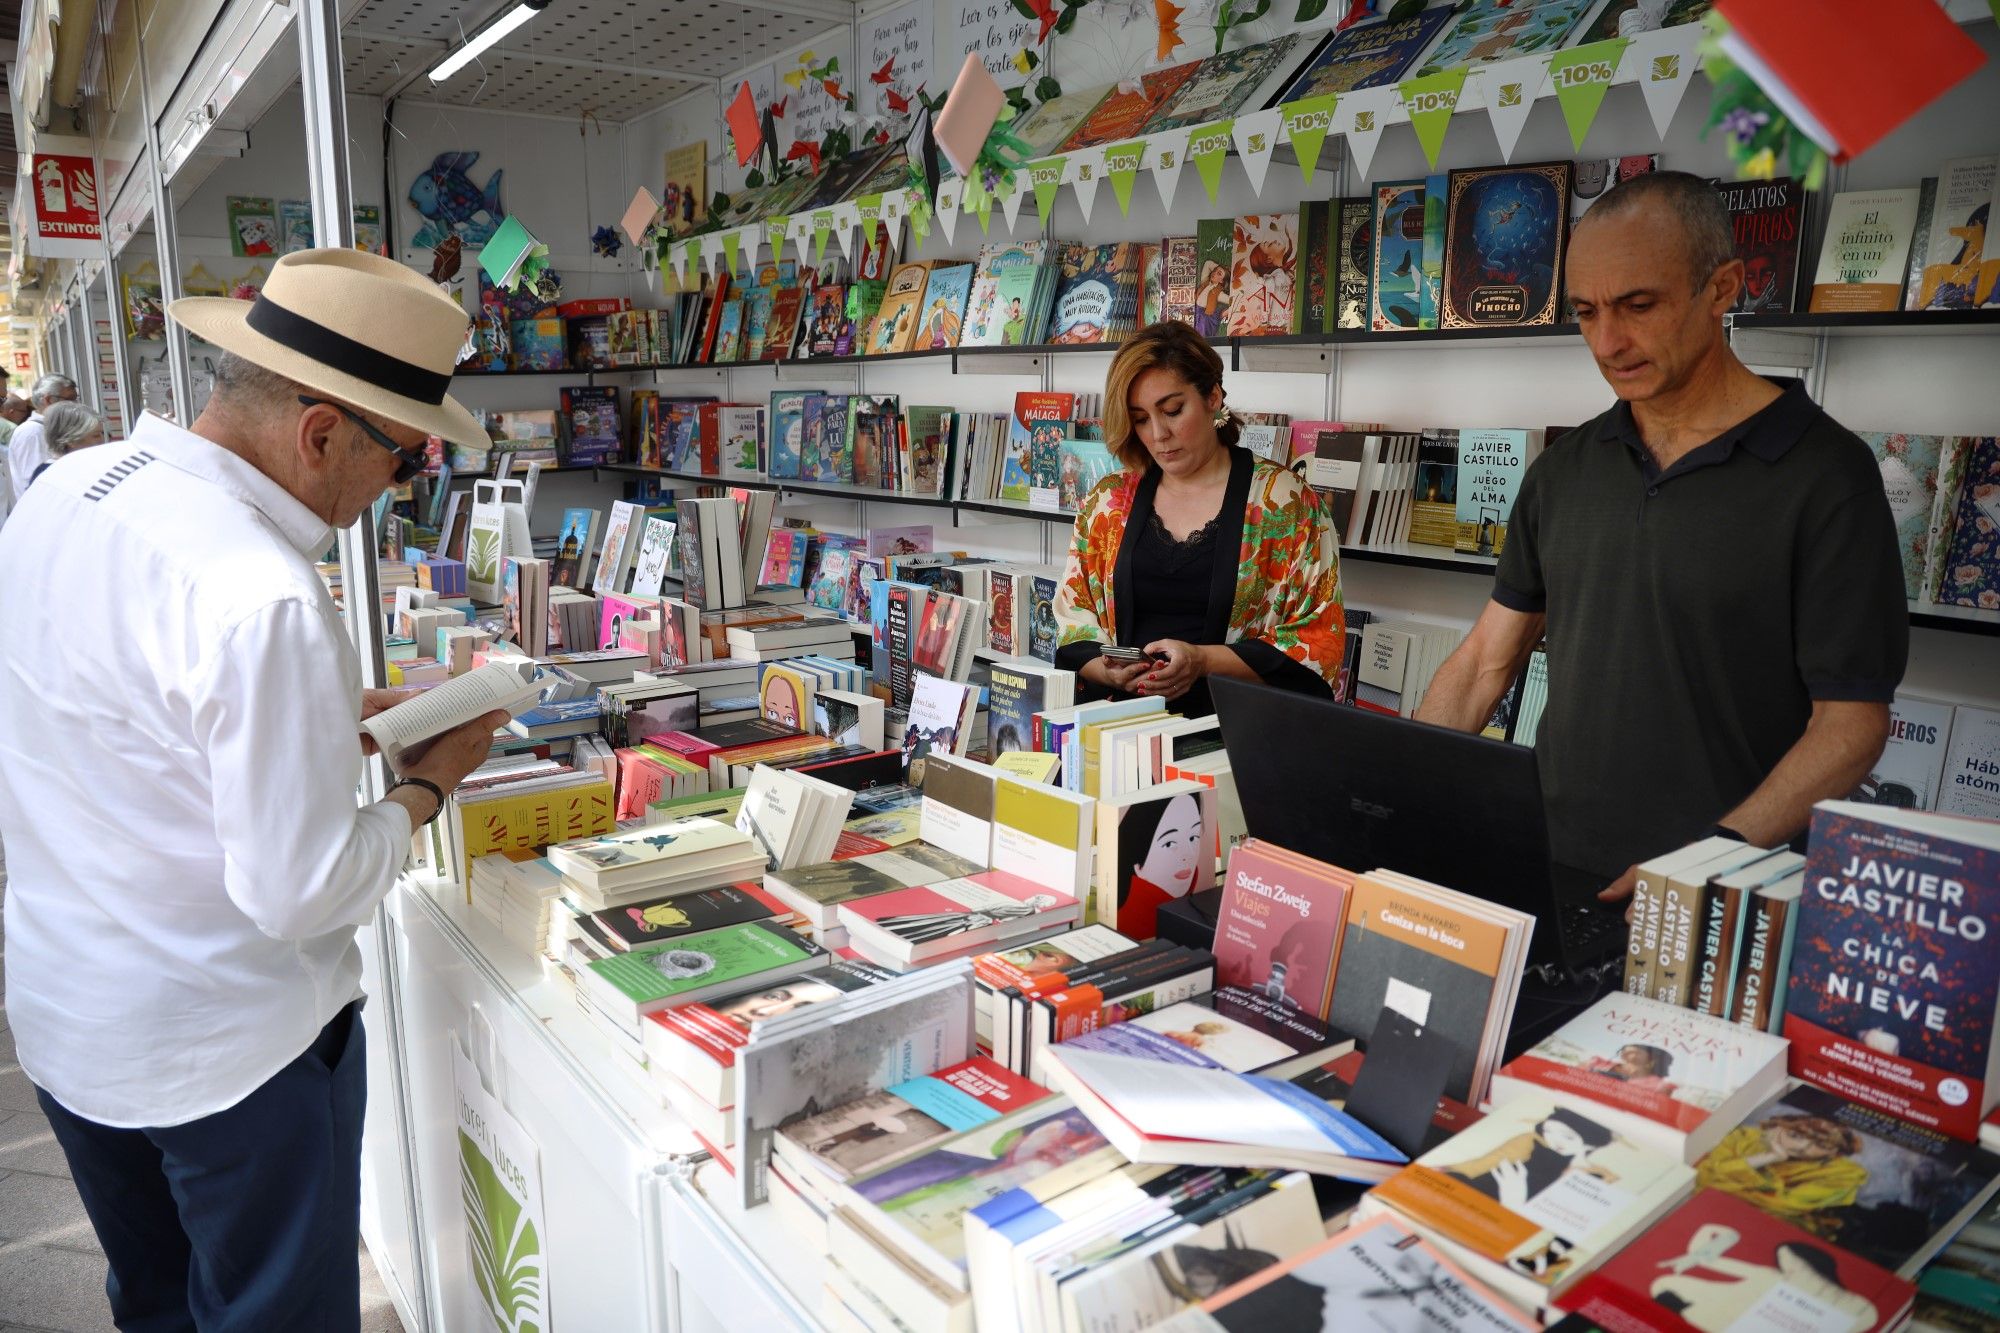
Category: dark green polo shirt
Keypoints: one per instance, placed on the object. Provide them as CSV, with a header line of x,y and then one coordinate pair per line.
x,y
1694,615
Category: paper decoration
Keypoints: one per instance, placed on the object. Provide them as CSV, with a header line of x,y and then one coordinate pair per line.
x,y
1306,123
1010,200
639,216
1167,19
1121,165
1082,172
729,251
775,231
1511,87
1580,77
895,52
1430,101
745,129
1361,117
506,253
1664,60
1256,136
1044,178
920,218
822,227
1208,148
1166,154
969,113
947,207
711,252
846,217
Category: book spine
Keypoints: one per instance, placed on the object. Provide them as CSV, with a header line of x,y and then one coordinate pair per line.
x,y
1642,948
1784,929
1681,912
1715,966
1757,965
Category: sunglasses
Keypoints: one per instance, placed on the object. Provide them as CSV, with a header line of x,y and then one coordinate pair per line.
x,y
408,463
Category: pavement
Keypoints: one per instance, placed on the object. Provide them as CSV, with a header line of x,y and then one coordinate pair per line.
x,y
51,1266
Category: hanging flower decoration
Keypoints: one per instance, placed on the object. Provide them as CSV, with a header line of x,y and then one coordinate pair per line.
x,y
604,241
1760,139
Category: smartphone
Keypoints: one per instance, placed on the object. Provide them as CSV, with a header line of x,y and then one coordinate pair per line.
x,y
1126,656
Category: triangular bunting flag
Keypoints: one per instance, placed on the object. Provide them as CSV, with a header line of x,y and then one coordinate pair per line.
x,y
711,251
920,218
1011,197
1430,102
845,219
947,207
1045,178
1085,170
1664,61
1121,165
677,260
1306,123
1361,116
1166,154
1208,148
1581,76
868,212
1511,87
729,242
1256,135
775,231
822,227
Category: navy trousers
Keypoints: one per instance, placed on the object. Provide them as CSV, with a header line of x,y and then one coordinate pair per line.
x,y
243,1220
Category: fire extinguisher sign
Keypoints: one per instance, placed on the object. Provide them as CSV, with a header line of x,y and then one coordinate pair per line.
x,y
67,221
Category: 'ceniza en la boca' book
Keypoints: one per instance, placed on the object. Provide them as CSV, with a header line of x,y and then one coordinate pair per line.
x,y
1894,981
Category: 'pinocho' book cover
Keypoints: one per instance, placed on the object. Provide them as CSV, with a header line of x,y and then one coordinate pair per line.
x,y
1894,981
1505,232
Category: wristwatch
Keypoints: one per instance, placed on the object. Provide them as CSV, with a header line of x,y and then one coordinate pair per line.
x,y
429,786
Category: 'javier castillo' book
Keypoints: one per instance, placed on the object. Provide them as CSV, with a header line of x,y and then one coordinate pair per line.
x,y
1894,981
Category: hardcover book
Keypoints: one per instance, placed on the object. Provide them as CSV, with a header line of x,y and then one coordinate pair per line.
x,y
1909,466
996,313
1890,1192
1629,18
1717,1263
1505,232
1597,176
1030,407
832,330
589,424
1769,221
1489,30
1668,1078
1861,263
945,298
1312,311
1968,572
1214,250
1354,259
787,418
1084,463
1396,275
1088,292
1223,83
1123,111
1180,272
1046,128
1152,283
1912,1032
1262,282
1367,55
1042,618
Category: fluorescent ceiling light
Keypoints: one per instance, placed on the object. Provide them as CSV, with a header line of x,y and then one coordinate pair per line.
x,y
485,37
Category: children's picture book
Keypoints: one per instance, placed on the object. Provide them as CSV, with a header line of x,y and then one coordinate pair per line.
x,y
1367,55
1089,291
1030,406
729,333
588,426
1499,30
295,224
1224,83
996,315
943,313
787,433
1629,18
1214,252
832,450
1395,289
253,227
1084,463
1262,287
1505,232
1050,124
1124,110
832,330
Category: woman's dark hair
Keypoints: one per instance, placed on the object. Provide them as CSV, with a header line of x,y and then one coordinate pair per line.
x,y
1814,1258
1172,346
1135,837
1661,1062
1589,1131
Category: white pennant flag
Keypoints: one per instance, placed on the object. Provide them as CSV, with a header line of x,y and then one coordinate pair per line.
x,y
800,228
1360,117
1663,61
1166,154
1010,205
1510,88
947,208
1256,135
1081,173
748,239
846,218
711,252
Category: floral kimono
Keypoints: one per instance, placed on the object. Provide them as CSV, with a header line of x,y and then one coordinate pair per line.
x,y
1279,606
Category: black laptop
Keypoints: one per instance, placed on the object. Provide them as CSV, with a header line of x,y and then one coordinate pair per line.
x,y
1361,790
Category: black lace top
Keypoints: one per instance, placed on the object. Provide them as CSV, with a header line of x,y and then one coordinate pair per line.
x,y
1171,579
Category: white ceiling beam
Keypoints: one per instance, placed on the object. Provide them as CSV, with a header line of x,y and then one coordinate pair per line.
x,y
432,44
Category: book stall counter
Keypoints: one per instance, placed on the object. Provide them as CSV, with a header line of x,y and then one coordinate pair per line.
x,y
603,1153
744,1257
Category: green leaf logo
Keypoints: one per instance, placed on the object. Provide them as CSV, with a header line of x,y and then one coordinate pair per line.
x,y
1510,94
1666,68
506,1252
1083,171
1364,121
1256,143
1167,158
484,564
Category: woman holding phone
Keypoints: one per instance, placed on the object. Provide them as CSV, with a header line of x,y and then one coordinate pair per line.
x,y
1204,558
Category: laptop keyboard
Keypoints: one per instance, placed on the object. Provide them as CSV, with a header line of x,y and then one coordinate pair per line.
x,y
1586,928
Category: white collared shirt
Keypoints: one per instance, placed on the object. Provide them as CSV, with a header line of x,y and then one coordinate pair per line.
x,y
27,449
178,760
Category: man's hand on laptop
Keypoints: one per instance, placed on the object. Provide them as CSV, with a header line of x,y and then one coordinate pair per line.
x,y
1620,890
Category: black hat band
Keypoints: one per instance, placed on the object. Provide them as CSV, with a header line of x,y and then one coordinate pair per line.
x,y
337,351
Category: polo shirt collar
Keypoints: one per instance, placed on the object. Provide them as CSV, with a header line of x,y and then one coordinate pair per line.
x,y
1768,433
197,456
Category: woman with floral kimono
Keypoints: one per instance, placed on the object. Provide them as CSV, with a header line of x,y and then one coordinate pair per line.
x,y
1211,560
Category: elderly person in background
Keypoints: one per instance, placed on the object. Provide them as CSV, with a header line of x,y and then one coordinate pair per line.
x,y
13,412
66,428
27,450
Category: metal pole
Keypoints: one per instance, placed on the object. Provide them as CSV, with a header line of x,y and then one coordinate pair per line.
x,y
166,240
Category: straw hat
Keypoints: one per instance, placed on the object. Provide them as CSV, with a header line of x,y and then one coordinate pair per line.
x,y
353,326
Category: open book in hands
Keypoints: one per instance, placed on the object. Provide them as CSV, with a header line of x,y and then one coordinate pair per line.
x,y
403,732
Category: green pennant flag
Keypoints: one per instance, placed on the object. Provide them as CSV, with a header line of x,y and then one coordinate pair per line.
x,y
1121,167
1306,123
1430,102
822,228
1208,147
729,252
920,219
1046,174
1580,77
869,209
775,230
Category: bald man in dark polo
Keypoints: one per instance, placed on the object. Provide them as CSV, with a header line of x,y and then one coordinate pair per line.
x,y
1713,563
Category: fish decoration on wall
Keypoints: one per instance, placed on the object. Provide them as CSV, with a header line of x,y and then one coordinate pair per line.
x,y
452,205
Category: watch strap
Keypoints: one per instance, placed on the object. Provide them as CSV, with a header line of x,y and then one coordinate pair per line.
x,y
437,794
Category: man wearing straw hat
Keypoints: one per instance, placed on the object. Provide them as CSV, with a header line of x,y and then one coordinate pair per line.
x,y
178,758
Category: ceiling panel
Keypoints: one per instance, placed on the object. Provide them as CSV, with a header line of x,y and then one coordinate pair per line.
x,y
615,54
